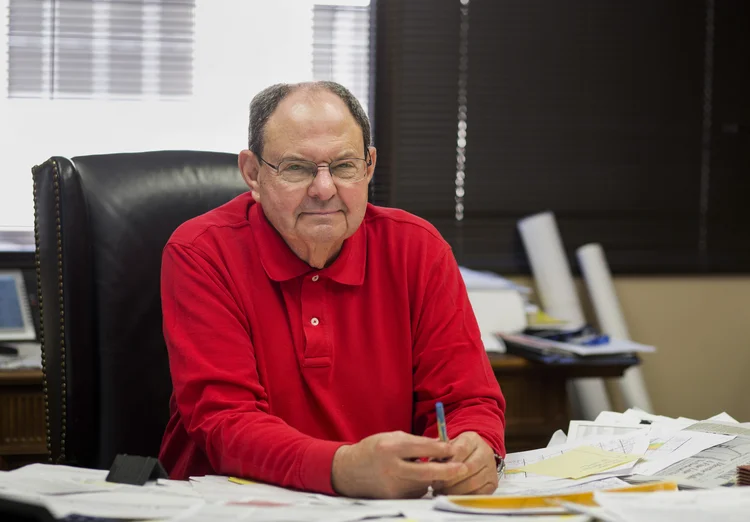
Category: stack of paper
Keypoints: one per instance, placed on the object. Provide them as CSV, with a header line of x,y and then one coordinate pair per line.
x,y
743,475
547,346
498,303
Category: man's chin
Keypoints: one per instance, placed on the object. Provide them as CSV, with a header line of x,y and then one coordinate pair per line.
x,y
324,232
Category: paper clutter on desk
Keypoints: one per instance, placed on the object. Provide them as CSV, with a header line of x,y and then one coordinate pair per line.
x,y
579,462
530,505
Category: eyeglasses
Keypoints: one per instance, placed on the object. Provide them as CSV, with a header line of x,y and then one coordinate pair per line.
x,y
347,170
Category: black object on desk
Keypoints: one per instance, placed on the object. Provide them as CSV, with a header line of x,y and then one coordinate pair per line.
x,y
16,511
555,358
135,470
6,349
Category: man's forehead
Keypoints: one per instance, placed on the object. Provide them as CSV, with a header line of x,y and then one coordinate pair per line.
x,y
304,107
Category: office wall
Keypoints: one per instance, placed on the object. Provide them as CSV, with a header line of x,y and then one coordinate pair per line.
x,y
701,328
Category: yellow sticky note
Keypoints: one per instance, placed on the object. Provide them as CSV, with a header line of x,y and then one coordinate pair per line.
x,y
243,482
579,462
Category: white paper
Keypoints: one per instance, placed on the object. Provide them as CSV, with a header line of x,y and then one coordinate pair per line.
x,y
676,448
291,513
611,417
711,467
498,310
29,356
581,430
629,445
120,504
724,417
596,513
480,280
557,439
219,488
725,504
528,488
723,428
640,415
49,486
557,292
58,471
601,289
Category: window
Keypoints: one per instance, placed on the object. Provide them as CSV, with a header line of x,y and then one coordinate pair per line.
x,y
99,76
341,46
626,120
100,49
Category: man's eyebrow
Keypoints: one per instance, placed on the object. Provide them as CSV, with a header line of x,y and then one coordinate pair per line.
x,y
294,157
346,153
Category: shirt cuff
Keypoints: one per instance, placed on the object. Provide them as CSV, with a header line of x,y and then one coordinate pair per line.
x,y
315,468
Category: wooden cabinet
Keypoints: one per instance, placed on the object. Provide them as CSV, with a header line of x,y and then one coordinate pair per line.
x,y
536,397
22,427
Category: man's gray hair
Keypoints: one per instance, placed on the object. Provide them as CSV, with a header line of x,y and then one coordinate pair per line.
x,y
265,102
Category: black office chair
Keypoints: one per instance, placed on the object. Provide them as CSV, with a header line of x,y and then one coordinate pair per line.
x,y
101,223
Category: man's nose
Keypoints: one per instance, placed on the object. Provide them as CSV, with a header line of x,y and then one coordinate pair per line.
x,y
322,186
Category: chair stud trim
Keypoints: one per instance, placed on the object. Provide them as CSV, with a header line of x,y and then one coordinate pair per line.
x,y
58,233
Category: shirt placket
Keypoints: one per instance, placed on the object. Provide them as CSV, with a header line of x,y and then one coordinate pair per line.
x,y
315,322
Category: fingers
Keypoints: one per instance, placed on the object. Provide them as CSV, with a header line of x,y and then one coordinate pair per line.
x,y
481,469
463,447
474,465
430,472
483,482
406,446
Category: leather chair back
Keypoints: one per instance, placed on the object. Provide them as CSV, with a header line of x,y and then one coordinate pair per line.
x,y
101,223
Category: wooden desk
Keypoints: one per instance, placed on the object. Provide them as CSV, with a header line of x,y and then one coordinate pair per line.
x,y
536,395
22,429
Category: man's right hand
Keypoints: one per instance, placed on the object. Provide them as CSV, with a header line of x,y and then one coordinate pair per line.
x,y
388,465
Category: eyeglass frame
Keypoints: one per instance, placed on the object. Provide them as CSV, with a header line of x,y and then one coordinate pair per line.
x,y
367,159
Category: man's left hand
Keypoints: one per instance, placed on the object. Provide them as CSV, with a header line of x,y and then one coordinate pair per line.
x,y
479,457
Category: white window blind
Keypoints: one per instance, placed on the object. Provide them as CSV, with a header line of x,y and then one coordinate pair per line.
x,y
341,46
100,48
101,76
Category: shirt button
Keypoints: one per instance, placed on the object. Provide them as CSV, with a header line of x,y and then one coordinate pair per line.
x,y
314,321
315,278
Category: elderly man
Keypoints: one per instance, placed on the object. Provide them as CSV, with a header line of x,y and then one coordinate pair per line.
x,y
310,334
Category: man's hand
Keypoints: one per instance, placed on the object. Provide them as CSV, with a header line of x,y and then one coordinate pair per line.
x,y
387,465
479,458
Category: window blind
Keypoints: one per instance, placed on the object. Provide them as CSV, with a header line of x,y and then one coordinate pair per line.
x,y
623,118
341,47
131,49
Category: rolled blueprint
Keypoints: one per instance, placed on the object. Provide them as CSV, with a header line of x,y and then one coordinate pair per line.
x,y
601,289
557,292
549,265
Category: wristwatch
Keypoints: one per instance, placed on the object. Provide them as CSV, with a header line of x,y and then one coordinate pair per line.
x,y
500,465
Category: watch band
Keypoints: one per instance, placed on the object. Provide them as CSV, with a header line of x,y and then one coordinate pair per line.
x,y
500,465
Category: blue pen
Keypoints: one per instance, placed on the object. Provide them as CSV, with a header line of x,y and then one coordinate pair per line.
x,y
442,428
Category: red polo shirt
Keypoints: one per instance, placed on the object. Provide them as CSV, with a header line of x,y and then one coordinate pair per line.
x,y
276,364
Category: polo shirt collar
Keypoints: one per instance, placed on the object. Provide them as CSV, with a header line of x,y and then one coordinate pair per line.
x,y
282,264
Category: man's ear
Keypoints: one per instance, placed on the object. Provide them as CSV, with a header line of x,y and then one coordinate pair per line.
x,y
250,167
373,156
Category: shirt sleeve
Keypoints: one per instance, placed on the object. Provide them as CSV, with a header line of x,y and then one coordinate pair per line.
x,y
220,398
450,363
